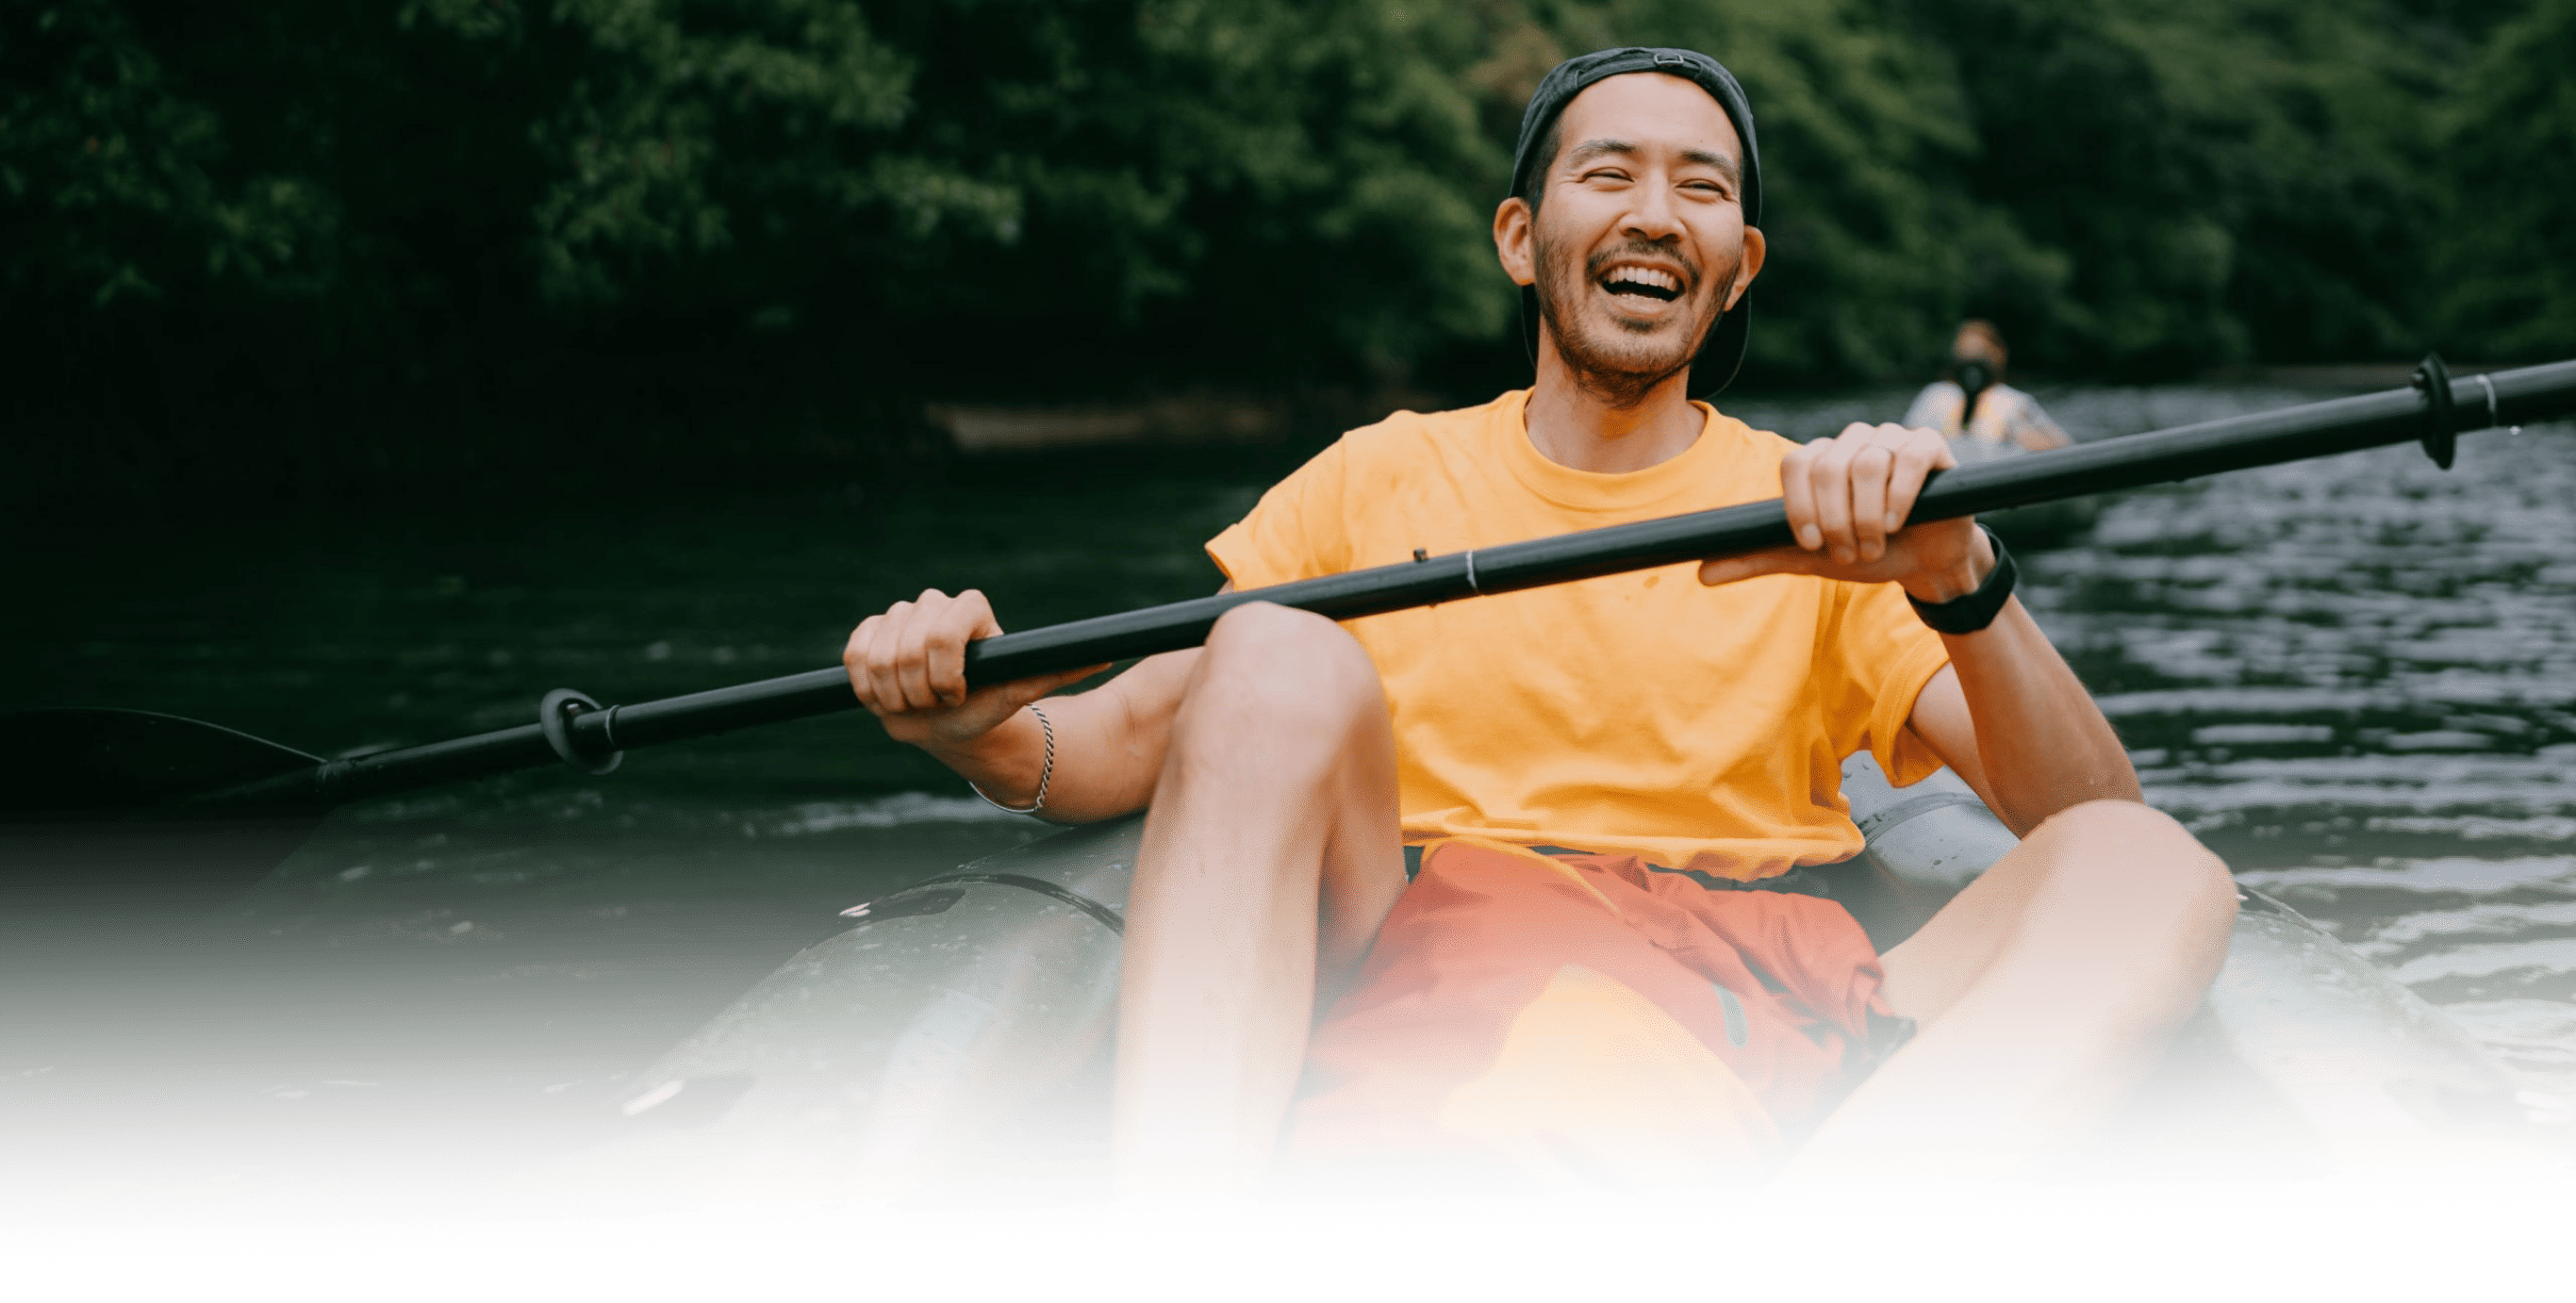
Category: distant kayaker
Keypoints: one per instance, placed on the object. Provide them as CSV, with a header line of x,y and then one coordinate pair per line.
x,y
1972,406
1606,968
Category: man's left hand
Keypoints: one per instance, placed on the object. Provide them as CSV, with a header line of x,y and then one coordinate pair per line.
x,y
1848,497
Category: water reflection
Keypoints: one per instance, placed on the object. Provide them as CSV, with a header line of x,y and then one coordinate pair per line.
x,y
2357,678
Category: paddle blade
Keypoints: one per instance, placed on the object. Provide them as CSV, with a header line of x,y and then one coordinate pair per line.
x,y
90,813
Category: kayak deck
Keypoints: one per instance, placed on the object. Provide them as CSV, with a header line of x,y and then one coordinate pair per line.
x,y
957,1037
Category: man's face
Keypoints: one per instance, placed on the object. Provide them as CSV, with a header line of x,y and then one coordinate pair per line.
x,y
1639,243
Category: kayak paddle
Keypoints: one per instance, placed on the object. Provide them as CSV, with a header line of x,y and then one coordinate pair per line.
x,y
69,765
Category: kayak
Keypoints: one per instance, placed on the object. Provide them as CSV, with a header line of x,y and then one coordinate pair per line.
x,y
955,1039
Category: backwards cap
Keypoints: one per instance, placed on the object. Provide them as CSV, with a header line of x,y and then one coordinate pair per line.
x,y
1723,351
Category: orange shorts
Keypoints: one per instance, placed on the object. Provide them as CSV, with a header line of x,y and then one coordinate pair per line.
x,y
1586,1017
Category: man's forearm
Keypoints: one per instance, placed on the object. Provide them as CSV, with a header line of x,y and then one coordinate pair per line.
x,y
2041,742
1109,745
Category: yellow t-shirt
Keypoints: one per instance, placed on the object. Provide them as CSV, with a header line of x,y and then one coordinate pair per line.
x,y
1702,728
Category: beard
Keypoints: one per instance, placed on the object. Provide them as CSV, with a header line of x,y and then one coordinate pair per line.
x,y
1615,359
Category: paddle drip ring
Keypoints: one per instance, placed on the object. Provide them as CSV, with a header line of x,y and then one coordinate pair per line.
x,y
555,714
2441,430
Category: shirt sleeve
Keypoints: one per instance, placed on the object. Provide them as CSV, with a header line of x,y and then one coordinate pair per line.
x,y
1297,530
1888,655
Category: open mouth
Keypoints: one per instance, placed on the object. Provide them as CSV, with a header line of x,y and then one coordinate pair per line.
x,y
1643,282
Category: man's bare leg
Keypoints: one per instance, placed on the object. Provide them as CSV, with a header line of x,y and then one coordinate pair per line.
x,y
1271,856
2045,992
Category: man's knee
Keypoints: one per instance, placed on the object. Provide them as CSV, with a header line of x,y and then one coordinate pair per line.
x,y
1268,666
2152,910
2132,830
2123,845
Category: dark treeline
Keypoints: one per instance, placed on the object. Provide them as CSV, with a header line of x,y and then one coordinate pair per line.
x,y
307,246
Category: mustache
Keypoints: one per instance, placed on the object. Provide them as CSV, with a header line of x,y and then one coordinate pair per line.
x,y
1635,248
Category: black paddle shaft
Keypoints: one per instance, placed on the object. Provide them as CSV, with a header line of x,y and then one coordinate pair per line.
x,y
2433,411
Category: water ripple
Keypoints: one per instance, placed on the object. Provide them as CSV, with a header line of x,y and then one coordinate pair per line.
x,y
2344,674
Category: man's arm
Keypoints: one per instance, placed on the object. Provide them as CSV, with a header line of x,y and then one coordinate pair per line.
x,y
2008,713
2011,718
908,668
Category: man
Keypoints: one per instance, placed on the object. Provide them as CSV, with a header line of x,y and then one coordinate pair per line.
x,y
2004,421
1666,739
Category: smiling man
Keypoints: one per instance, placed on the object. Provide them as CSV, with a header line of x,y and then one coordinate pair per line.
x,y
1513,884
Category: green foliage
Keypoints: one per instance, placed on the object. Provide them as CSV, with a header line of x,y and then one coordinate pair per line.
x,y
1333,171
652,227
2227,180
2509,246
671,117
1094,163
111,180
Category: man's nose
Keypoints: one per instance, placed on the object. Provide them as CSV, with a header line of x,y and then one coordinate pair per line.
x,y
1654,216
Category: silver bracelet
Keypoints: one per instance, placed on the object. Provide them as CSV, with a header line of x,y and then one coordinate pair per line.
x,y
1046,771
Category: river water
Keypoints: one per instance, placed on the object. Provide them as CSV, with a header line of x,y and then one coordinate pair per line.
x,y
2355,678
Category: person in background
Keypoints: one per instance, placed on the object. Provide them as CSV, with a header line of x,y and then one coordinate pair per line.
x,y
1972,406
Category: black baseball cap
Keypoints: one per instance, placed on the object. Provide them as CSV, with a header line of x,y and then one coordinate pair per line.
x,y
1722,353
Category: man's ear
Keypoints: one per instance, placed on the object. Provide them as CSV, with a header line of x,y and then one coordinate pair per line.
x,y
1745,271
1512,241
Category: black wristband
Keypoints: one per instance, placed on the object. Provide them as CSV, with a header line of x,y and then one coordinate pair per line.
x,y
1978,609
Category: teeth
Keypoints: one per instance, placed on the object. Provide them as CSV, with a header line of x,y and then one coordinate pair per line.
x,y
1655,277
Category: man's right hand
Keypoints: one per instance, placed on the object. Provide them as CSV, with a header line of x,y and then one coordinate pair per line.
x,y
908,667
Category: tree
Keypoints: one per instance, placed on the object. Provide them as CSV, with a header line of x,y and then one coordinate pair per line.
x,y
2225,179
350,241
114,184
2508,254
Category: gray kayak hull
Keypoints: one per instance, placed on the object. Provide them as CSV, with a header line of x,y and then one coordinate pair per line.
x,y
957,1036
